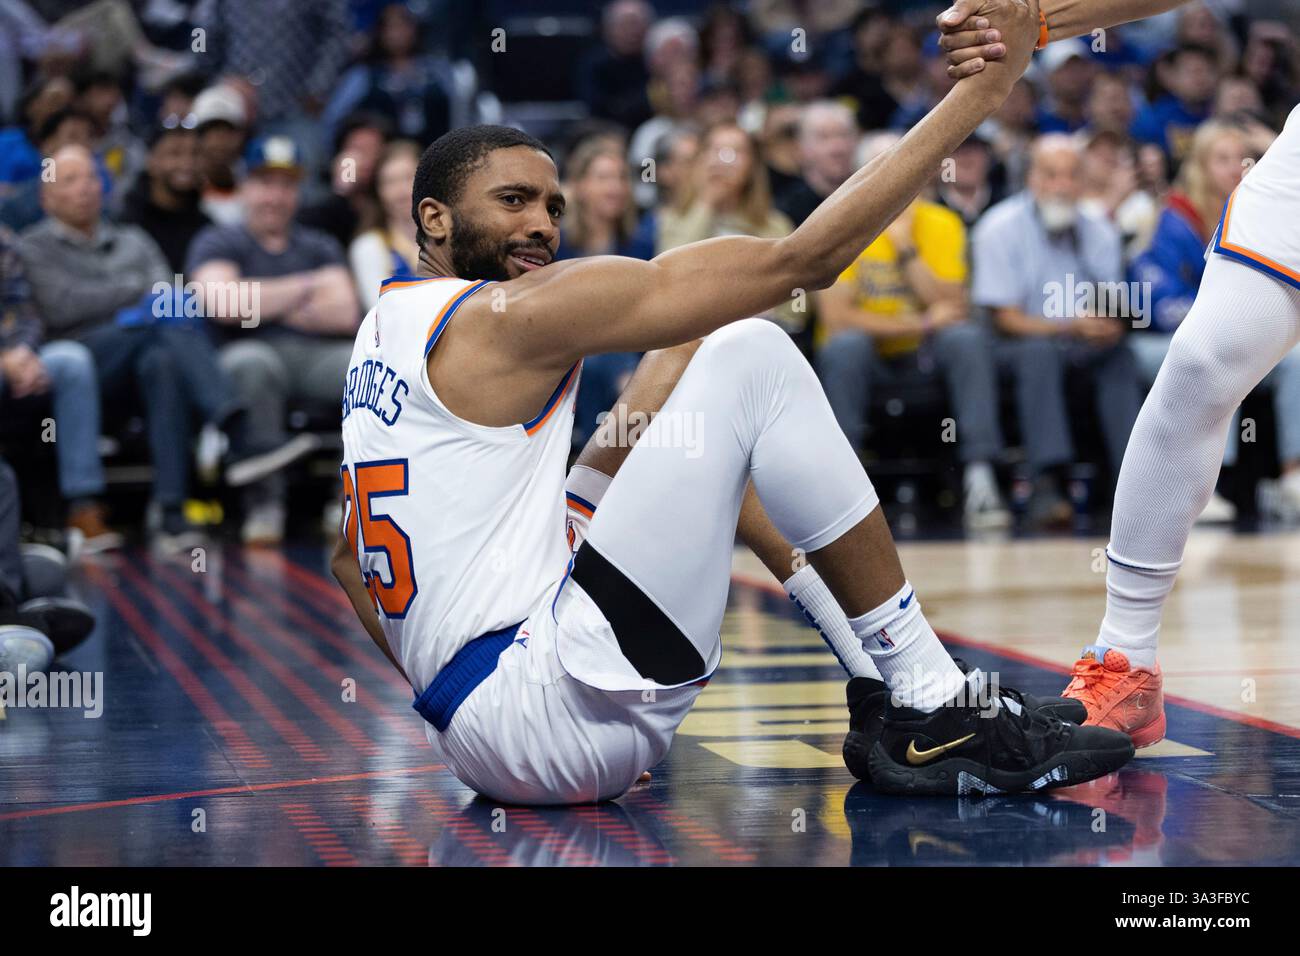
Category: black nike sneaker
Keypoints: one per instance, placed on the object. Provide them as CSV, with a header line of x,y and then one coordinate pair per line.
x,y
867,698
978,744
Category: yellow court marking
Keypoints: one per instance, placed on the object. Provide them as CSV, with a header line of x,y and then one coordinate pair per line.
x,y
764,722
1172,748
811,659
775,754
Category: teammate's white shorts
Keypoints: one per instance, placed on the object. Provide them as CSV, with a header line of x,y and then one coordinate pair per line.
x,y
1258,227
532,733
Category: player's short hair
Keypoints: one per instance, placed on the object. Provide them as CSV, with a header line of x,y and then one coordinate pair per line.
x,y
448,161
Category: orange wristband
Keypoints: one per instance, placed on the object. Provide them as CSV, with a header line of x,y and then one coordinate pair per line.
x,y
1042,30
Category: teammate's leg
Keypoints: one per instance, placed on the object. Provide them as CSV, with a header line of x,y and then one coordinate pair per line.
x,y
1242,323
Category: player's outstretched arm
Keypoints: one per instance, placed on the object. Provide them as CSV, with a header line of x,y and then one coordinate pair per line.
x,y
602,304
965,32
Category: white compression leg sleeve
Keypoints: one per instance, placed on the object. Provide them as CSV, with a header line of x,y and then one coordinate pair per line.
x,y
1242,323
747,407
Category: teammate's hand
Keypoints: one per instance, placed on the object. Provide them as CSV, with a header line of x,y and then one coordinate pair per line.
x,y
972,35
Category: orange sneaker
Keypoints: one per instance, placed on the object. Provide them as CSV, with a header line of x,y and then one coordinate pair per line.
x,y
1124,698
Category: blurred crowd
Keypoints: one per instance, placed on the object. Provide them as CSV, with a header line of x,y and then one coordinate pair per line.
x,y
161,161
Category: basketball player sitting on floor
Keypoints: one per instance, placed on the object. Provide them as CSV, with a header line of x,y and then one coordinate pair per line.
x,y
555,677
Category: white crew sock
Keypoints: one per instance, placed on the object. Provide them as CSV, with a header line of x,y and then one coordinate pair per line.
x,y
1135,596
918,671
587,486
811,595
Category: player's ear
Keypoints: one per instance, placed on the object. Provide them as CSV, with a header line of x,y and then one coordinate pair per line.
x,y
435,219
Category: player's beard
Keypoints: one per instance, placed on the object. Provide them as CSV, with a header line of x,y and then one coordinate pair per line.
x,y
474,254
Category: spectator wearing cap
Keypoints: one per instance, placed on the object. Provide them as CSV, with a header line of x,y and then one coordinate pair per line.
x,y
221,122
299,346
613,77
64,373
827,139
901,308
1067,72
102,284
1036,257
165,199
1187,77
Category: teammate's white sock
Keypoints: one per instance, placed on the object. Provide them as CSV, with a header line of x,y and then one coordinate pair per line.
x,y
811,595
1135,596
914,665
583,490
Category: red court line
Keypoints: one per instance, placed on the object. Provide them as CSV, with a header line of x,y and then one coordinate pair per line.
x,y
1260,723
231,731
216,792
289,731
286,677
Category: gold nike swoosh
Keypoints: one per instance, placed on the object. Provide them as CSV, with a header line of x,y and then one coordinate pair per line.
x,y
917,757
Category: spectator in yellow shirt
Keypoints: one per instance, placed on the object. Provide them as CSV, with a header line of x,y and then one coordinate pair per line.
x,y
902,308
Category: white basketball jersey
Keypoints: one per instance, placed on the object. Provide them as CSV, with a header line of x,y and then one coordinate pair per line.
x,y
459,528
1261,223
